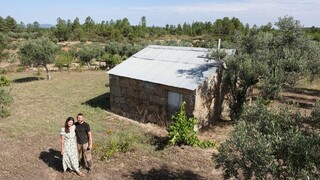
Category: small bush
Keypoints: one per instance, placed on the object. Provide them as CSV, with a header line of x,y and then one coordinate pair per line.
x,y
4,81
13,57
20,69
269,144
63,59
182,131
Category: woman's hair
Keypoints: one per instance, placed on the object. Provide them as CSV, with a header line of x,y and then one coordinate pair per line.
x,y
66,127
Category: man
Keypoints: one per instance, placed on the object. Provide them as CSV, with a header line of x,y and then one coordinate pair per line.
x,y
84,141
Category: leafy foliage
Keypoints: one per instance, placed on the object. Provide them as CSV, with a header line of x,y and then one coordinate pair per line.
x,y
4,81
111,60
272,144
40,51
63,59
182,131
270,58
122,49
87,53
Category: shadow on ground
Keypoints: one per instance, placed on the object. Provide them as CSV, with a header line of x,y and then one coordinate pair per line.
x,y
304,91
160,142
300,101
303,97
164,174
27,79
102,101
52,158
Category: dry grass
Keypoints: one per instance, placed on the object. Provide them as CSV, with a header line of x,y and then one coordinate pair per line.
x,y
40,105
30,136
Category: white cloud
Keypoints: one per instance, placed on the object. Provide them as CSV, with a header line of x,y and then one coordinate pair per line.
x,y
258,12
252,11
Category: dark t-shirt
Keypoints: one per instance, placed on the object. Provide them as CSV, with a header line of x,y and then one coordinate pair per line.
x,y
82,132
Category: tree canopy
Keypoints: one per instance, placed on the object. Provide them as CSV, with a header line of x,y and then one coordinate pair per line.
x,y
39,51
269,144
271,59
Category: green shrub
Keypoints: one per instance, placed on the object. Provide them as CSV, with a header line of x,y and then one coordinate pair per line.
x,y
268,144
4,81
111,60
12,57
20,68
63,59
182,131
83,40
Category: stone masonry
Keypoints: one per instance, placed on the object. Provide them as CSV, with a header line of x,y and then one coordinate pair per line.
x,y
145,101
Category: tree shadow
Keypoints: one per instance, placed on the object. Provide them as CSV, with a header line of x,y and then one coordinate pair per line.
x,y
102,101
27,79
219,123
300,101
52,158
305,91
164,173
160,142
197,74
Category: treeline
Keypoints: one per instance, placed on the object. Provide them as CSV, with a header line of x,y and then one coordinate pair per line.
x,y
120,30
314,32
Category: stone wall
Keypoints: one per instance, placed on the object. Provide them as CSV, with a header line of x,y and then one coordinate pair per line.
x,y
205,97
145,101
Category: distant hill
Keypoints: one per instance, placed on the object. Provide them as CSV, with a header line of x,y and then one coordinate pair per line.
x,y
46,26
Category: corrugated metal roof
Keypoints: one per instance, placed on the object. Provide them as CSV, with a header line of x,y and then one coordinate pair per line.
x,y
182,67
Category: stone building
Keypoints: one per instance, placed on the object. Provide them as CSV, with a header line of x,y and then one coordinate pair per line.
x,y
151,85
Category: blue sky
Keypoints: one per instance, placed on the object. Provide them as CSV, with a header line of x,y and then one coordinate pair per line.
x,y
161,12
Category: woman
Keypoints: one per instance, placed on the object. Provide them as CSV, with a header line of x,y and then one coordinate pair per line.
x,y
69,147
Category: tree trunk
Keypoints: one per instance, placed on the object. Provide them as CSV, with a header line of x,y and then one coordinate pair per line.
x,y
48,72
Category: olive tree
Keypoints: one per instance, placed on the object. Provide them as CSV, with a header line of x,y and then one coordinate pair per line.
x,y
89,52
273,58
269,144
37,52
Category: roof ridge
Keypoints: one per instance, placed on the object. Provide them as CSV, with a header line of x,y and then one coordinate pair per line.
x,y
163,60
198,49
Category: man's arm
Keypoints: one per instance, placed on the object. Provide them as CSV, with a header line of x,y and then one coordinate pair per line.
x,y
90,140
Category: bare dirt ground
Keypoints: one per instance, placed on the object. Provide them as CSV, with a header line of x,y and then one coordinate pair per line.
x,y
29,158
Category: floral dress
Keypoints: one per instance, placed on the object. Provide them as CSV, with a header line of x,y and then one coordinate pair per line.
x,y
70,155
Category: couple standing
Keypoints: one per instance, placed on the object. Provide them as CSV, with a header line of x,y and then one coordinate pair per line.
x,y
76,144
